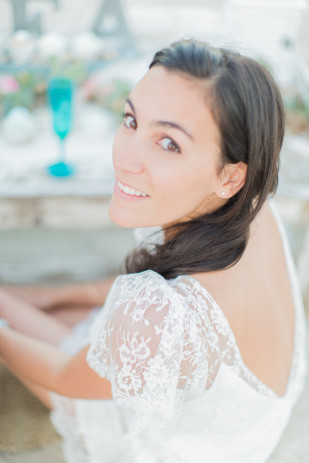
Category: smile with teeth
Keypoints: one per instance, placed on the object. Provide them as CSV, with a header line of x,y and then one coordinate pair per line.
x,y
130,191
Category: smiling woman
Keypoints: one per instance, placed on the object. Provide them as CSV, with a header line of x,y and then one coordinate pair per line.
x,y
167,160
198,352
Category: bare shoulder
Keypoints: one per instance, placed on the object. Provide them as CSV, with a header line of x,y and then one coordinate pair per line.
x,y
256,297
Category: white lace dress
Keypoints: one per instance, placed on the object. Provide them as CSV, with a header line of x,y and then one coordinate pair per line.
x,y
181,391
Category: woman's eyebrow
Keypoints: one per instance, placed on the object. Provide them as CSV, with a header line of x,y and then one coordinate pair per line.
x,y
173,125
131,105
163,123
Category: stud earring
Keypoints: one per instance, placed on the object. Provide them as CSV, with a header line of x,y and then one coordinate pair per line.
x,y
223,193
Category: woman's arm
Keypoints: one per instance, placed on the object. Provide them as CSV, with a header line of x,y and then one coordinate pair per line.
x,y
49,367
88,294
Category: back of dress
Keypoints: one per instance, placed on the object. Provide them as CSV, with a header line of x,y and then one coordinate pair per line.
x,y
181,390
178,376
236,417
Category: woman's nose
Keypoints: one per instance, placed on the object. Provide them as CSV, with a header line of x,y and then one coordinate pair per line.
x,y
127,157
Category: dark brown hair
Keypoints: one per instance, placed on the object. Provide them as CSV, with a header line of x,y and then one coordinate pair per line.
x,y
247,107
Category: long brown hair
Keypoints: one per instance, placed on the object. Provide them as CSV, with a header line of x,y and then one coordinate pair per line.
x,y
246,105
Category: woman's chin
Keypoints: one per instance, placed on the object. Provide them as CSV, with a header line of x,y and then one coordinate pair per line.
x,y
121,218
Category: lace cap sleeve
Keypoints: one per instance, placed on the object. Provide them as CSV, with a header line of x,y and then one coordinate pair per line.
x,y
137,341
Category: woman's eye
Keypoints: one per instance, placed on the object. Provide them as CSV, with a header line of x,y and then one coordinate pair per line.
x,y
169,145
129,121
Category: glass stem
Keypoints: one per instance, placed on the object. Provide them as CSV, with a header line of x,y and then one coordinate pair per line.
x,y
61,150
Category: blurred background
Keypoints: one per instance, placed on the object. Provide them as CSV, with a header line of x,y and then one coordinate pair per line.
x,y
65,69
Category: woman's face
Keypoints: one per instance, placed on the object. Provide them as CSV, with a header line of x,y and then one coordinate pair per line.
x,y
166,153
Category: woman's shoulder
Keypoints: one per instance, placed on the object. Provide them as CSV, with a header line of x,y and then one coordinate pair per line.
x,y
182,287
148,296
182,302
132,282
145,293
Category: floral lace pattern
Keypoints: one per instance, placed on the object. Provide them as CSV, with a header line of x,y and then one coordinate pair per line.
x,y
162,345
137,344
182,393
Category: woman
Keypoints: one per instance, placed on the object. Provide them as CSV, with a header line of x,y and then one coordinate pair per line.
x,y
198,354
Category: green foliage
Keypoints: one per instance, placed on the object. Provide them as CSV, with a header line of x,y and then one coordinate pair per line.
x,y
114,101
295,104
297,112
75,70
22,92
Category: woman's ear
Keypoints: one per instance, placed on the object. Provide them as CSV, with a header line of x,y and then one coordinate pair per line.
x,y
232,178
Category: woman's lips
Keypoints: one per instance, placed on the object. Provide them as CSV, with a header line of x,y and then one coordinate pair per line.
x,y
127,192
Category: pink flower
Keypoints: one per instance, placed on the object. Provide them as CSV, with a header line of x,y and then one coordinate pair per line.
x,y
89,88
8,84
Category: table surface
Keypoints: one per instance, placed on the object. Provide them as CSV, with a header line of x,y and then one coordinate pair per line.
x,y
23,166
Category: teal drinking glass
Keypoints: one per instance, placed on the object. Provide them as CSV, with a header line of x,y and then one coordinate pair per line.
x,y
60,93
